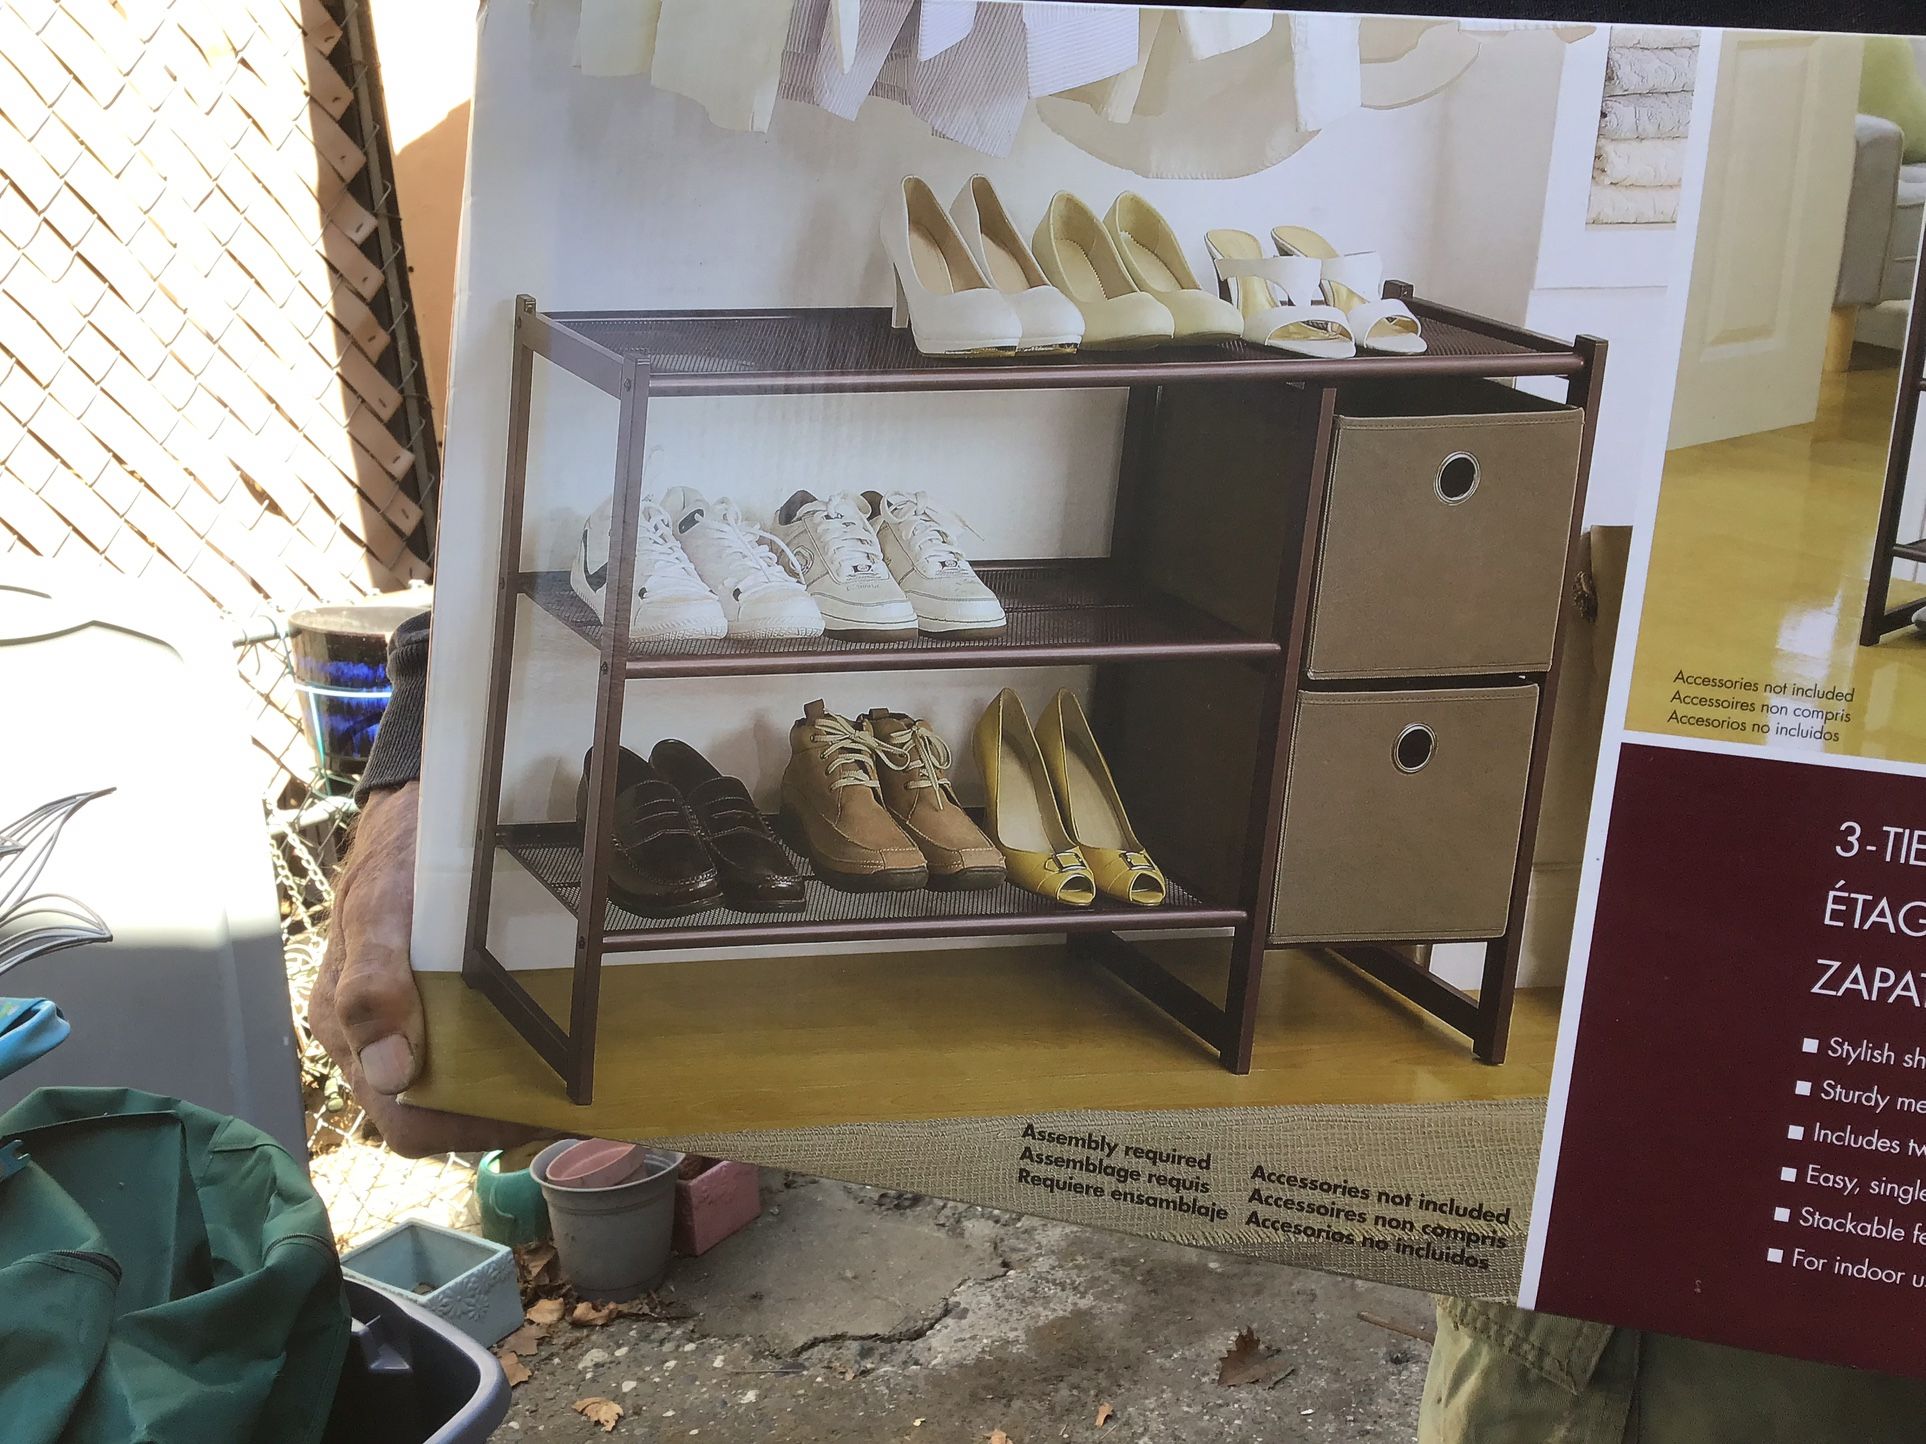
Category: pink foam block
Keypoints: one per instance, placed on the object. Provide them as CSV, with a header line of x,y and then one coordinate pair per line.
x,y
715,1203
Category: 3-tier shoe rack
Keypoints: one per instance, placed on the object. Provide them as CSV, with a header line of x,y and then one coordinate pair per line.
x,y
1883,616
1198,625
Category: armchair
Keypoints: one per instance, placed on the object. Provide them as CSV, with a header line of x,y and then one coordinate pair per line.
x,y
1883,225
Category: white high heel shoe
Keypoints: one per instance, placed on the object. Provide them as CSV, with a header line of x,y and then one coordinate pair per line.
x,y
1155,260
1273,295
1051,322
942,295
1354,283
1081,260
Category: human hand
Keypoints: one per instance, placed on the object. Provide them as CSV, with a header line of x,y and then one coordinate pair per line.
x,y
365,1008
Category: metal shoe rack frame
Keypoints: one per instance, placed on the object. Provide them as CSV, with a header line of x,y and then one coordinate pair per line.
x,y
1095,611
1881,616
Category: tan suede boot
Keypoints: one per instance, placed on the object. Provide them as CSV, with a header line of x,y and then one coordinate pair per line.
x,y
832,808
918,792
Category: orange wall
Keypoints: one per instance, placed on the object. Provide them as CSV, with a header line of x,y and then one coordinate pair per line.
x,y
427,54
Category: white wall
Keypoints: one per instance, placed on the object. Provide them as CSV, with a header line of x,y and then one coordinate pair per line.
x,y
1486,196
605,193
1519,137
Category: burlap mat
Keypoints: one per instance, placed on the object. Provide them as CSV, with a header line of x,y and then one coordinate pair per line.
x,y
1429,1196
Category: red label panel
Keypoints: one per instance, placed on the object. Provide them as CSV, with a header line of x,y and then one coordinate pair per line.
x,y
1744,1152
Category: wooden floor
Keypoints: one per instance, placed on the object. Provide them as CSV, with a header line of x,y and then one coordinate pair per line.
x,y
795,1042
1759,565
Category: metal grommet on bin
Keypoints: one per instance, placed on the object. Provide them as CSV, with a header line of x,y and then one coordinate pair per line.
x,y
1457,478
1414,747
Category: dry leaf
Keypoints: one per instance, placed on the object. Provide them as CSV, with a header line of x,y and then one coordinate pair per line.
x,y
1247,1361
594,1315
997,1436
512,1366
536,1261
599,1411
524,1341
1106,1411
545,1312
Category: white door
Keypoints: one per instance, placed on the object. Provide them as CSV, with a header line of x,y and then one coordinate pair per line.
x,y
1770,230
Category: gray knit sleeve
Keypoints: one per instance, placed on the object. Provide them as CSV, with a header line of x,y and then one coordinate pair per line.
x,y
396,755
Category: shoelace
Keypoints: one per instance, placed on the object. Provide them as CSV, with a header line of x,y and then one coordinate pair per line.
x,y
921,754
659,556
848,538
931,529
849,755
766,555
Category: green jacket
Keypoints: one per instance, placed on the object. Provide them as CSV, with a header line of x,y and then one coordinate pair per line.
x,y
1501,1375
167,1276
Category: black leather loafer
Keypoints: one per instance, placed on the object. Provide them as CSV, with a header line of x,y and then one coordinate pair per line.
x,y
660,866
757,874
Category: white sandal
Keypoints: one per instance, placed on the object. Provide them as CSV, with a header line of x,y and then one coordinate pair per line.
x,y
1354,283
1270,291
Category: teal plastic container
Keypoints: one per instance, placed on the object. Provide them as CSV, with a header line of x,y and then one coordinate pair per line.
x,y
513,1210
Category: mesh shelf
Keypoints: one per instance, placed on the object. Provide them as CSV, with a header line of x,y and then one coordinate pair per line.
x,y
552,854
856,349
1060,613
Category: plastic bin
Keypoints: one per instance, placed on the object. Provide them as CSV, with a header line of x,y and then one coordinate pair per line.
x,y
1402,813
411,1378
1446,516
468,1281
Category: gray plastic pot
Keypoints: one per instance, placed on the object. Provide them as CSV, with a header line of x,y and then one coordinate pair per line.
x,y
613,1243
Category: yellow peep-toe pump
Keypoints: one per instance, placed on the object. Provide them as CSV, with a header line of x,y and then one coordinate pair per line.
x,y
1092,810
1021,816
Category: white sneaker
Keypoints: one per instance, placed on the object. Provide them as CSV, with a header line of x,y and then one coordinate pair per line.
x,y
670,602
920,548
744,566
842,565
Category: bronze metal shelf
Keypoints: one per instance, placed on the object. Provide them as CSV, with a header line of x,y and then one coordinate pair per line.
x,y
1278,417
1882,615
551,852
791,350
1061,613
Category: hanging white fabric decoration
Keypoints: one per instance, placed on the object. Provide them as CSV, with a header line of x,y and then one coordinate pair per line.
x,y
1214,32
1325,68
1232,115
1406,61
977,91
725,57
1158,91
845,20
813,70
1072,45
1115,99
941,23
617,37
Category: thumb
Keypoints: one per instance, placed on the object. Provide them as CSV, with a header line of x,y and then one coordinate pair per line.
x,y
380,1011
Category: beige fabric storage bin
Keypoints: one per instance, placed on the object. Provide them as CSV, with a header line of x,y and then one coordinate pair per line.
x,y
1446,517
1402,813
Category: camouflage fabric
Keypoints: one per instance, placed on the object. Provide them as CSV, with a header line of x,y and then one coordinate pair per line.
x,y
1503,1375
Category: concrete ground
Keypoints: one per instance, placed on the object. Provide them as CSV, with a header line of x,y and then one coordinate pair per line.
x,y
845,1314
